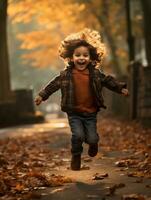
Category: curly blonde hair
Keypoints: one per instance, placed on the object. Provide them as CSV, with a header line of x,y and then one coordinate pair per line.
x,y
88,38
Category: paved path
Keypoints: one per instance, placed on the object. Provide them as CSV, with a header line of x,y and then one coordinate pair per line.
x,y
83,187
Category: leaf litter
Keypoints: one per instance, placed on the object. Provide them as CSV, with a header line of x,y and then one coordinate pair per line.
x,y
128,137
25,165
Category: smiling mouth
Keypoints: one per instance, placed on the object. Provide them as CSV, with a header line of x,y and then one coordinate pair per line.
x,y
81,63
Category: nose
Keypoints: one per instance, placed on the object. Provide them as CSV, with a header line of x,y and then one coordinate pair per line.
x,y
82,57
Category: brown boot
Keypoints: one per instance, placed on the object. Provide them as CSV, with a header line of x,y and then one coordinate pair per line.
x,y
76,162
93,150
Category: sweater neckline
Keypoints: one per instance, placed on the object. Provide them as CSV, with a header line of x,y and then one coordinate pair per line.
x,y
76,71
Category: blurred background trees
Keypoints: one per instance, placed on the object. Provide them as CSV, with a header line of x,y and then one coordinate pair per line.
x,y
4,69
39,26
44,19
146,7
36,28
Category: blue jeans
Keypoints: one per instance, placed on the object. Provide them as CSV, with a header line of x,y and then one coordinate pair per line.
x,y
83,128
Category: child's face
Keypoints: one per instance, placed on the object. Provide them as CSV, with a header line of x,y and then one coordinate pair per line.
x,y
81,57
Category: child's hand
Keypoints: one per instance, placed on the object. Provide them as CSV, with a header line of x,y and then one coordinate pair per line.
x,y
125,92
38,100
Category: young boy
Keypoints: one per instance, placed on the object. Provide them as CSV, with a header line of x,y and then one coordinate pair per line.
x,y
81,86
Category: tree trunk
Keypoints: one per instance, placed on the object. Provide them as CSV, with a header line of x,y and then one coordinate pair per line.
x,y
146,5
4,68
130,37
103,19
116,66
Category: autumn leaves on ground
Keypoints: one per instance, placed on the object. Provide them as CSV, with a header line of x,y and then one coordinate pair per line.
x,y
27,164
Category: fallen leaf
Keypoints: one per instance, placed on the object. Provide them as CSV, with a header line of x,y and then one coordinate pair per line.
x,y
87,159
32,195
135,174
121,163
114,188
139,180
133,197
85,167
19,187
98,176
92,196
148,186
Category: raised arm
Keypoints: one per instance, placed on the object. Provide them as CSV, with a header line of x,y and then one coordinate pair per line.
x,y
50,88
111,83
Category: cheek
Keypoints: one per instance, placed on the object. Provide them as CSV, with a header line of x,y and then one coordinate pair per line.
x,y
75,59
88,59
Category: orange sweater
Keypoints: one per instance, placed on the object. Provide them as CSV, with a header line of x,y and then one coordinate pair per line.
x,y
84,100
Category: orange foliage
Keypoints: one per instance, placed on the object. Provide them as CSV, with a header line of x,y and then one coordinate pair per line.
x,y
52,21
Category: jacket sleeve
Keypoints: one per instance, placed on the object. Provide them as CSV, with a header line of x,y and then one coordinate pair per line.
x,y
50,88
111,83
